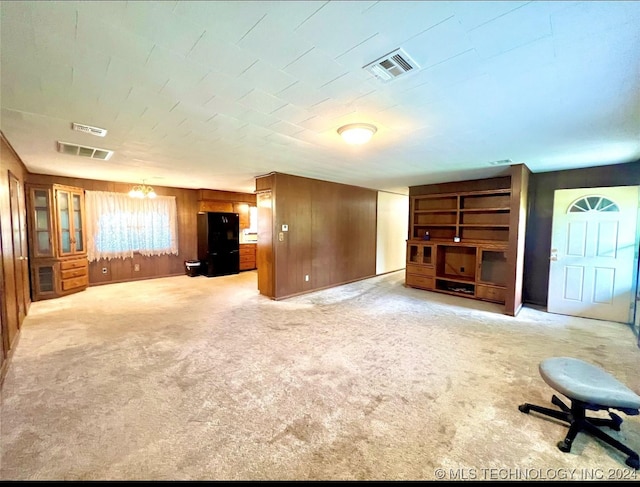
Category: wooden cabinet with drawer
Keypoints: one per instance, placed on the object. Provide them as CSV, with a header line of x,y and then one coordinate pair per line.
x,y
74,274
490,293
420,269
247,257
57,241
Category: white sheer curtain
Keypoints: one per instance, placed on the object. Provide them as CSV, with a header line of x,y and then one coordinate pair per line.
x,y
118,225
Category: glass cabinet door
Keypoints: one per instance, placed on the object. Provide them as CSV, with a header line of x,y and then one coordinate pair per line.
x,y
70,221
493,267
419,254
41,208
78,237
64,221
45,279
414,253
426,254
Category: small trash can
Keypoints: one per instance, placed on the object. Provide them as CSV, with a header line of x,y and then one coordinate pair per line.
x,y
192,267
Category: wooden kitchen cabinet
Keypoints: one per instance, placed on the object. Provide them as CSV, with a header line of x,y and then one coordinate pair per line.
x,y
247,257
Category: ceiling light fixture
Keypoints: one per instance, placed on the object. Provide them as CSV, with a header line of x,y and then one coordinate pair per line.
x,y
142,191
357,133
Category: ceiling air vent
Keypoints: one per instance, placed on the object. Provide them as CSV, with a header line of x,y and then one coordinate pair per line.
x,y
392,66
89,130
79,150
501,162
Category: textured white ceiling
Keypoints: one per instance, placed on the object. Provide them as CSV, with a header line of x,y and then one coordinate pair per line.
x,y
212,94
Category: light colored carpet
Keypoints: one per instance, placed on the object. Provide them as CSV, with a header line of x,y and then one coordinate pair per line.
x,y
203,378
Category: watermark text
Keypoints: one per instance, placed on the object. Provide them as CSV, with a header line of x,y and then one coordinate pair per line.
x,y
536,474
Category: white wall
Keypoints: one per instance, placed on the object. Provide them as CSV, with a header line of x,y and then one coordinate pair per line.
x,y
392,233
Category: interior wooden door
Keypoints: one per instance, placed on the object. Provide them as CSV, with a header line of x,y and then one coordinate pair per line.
x,y
19,249
593,244
4,332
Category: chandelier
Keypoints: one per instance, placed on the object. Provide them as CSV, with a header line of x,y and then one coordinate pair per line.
x,y
142,191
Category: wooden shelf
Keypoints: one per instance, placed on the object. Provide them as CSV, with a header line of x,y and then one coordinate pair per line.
x,y
455,278
482,225
455,287
437,225
436,211
471,215
498,208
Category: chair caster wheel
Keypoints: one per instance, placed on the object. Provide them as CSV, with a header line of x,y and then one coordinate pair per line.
x,y
524,408
564,446
633,462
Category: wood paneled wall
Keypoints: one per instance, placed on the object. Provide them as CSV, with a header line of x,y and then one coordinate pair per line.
x,y
13,288
331,234
517,234
187,202
538,238
119,270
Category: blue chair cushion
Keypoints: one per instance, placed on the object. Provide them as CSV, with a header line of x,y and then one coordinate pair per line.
x,y
588,383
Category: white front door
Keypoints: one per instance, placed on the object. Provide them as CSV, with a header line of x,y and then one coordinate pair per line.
x,y
593,242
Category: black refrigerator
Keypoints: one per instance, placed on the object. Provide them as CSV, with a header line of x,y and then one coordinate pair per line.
x,y
218,243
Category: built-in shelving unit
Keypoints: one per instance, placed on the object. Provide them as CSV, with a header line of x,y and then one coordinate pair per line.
x,y
465,238
473,216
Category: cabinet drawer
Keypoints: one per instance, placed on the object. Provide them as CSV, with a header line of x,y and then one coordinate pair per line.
x,y
490,293
245,266
247,258
247,250
423,282
76,282
73,264
77,272
420,269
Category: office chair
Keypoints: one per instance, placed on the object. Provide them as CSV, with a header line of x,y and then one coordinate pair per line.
x,y
588,387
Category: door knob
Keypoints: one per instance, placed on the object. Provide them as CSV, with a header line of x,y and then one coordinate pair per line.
x,y
554,255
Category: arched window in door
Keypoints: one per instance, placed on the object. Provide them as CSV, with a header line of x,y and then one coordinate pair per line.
x,y
593,203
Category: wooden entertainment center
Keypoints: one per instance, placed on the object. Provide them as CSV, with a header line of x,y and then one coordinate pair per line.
x,y
467,238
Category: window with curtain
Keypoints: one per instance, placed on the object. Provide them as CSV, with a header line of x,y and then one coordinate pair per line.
x,y
119,226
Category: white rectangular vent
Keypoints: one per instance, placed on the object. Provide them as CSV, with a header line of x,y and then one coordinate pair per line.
x,y
79,150
89,130
392,65
501,162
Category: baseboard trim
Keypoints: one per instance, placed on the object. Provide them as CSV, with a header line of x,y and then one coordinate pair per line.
x,y
324,287
7,361
116,281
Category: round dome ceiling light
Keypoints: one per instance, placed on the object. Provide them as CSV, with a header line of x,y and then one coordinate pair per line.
x,y
357,133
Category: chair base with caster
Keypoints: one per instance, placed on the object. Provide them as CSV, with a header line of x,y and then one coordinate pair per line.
x,y
588,388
